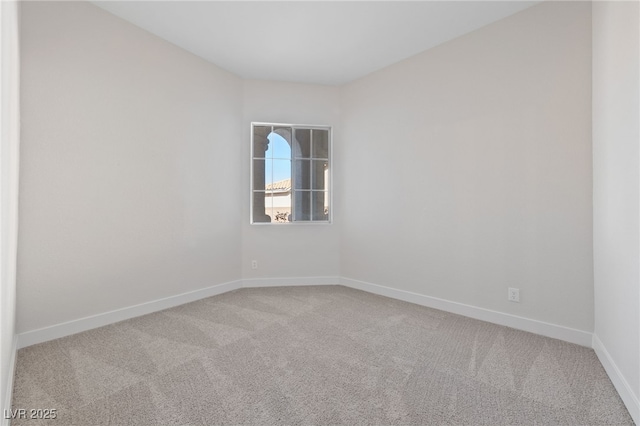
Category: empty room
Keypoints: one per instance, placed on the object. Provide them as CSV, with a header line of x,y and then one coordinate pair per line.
x,y
370,212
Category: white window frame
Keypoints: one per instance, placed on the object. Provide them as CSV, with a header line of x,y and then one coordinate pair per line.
x,y
252,190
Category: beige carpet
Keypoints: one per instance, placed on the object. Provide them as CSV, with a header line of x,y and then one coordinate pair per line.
x,y
313,355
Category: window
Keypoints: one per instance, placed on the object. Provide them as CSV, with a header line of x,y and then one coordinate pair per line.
x,y
290,173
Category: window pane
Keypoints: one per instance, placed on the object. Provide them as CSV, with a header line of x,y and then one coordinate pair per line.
x,y
278,147
281,202
259,208
302,174
259,174
277,172
303,205
268,206
285,131
302,144
320,144
320,175
260,141
320,205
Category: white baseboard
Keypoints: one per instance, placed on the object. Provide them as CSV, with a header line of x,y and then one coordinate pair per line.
x,y
12,373
289,281
83,324
571,335
619,382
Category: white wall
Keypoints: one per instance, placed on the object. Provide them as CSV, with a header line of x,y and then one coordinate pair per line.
x,y
297,250
483,145
130,189
616,193
9,143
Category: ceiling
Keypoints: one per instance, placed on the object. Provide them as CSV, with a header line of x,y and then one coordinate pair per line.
x,y
324,42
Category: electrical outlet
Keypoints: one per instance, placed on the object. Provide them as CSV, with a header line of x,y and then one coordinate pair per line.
x,y
514,295
254,264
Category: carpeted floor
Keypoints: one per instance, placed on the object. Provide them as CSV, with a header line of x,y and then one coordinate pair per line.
x,y
313,355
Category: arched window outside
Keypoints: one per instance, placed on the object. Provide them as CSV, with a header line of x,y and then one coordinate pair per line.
x,y
277,178
290,173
